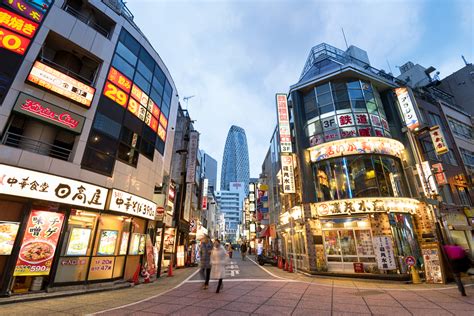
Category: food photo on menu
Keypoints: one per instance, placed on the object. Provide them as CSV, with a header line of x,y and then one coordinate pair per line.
x,y
8,232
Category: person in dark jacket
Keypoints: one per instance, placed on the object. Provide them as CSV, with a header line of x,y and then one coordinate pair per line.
x,y
459,263
243,250
205,254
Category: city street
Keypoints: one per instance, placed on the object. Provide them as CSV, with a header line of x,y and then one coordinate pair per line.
x,y
251,289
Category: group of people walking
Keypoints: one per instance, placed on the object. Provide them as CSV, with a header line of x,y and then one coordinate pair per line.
x,y
213,261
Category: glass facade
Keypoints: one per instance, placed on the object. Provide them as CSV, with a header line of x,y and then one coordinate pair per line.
x,y
235,163
341,109
359,176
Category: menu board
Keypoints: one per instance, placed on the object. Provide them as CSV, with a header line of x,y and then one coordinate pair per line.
x,y
168,243
8,231
78,242
107,242
141,246
39,243
135,244
364,243
124,243
433,263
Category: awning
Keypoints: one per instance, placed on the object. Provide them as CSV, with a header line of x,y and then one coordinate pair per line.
x,y
265,232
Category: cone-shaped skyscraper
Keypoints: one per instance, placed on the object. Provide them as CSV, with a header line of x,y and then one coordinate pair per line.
x,y
235,163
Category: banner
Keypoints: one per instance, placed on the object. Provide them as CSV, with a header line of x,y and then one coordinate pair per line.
x,y
39,243
383,249
288,174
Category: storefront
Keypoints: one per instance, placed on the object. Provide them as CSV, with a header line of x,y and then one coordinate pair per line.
x,y
56,231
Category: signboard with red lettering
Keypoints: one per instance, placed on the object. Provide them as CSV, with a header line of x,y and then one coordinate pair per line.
x,y
39,243
49,113
13,42
287,171
283,123
439,142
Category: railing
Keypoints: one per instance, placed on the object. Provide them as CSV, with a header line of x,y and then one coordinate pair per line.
x,y
87,20
67,71
36,146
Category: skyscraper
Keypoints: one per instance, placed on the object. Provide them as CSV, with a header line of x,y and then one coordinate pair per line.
x,y
209,170
235,163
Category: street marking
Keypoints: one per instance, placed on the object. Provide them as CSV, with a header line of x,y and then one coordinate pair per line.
x,y
246,280
273,275
232,269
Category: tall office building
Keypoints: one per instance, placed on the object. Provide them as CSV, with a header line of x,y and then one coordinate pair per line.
x,y
209,170
235,163
230,204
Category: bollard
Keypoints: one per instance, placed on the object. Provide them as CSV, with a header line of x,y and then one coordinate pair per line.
x,y
415,277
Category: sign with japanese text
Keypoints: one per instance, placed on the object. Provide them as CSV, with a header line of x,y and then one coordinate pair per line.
x,y
287,171
193,146
61,84
345,120
205,187
101,268
283,123
433,263
356,146
13,42
120,80
43,186
49,113
407,107
118,96
33,10
188,201
383,249
439,142
130,204
439,174
16,23
39,243
78,241
429,179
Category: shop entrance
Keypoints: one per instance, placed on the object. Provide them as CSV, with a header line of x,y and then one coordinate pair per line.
x,y
347,240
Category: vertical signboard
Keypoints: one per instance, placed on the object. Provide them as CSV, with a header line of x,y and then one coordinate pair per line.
x,y
192,156
407,107
430,180
439,142
205,186
288,174
383,248
283,123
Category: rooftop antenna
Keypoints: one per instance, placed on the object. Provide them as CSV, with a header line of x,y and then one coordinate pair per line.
x,y
389,68
186,99
465,61
345,40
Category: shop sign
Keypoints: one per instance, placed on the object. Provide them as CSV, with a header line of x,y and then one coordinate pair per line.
x,y
169,239
49,113
180,256
375,119
362,119
192,156
439,142
365,131
439,174
345,120
13,42
78,242
348,132
72,262
365,206
42,186
287,168
205,186
358,267
283,123
39,243
356,146
8,231
16,23
107,242
187,201
329,123
124,243
459,179
131,204
407,107
430,180
383,249
34,11
101,268
433,263
168,220
60,83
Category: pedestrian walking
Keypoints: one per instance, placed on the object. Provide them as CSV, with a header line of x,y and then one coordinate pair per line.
x,y
218,260
243,250
459,263
230,249
205,254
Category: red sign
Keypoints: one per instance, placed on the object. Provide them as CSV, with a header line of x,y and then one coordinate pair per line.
x,y
17,23
119,80
115,94
39,243
162,132
410,261
13,42
358,267
204,203
163,121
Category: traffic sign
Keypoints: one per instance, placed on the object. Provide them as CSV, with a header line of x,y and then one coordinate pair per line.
x,y
410,261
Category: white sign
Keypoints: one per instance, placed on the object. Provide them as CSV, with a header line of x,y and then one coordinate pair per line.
x,y
192,156
429,178
383,249
43,186
288,174
439,142
283,123
407,108
130,204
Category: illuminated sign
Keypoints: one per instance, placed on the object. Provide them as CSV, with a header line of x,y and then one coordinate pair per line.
x,y
407,108
43,186
356,146
16,23
365,206
48,112
130,204
13,42
287,168
430,180
283,123
205,187
119,80
60,83
115,94
439,174
439,142
34,10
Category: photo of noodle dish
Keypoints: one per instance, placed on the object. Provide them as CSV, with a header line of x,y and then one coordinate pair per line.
x,y
36,251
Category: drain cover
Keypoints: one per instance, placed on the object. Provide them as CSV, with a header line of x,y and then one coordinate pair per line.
x,y
369,292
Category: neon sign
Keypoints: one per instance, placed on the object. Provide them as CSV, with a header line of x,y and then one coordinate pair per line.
x,y
13,42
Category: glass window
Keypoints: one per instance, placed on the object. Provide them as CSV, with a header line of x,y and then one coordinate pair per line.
x,y
445,193
106,125
353,85
144,71
324,99
142,83
124,67
102,142
463,196
146,59
129,41
126,54
322,88
98,161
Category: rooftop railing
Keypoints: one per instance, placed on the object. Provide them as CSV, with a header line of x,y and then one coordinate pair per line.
x,y
87,20
36,146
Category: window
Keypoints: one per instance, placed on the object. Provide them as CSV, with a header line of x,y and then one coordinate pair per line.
x,y
460,129
463,195
126,54
467,156
435,119
309,102
445,192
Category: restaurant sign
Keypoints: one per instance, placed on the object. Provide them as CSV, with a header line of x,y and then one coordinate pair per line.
x,y
439,142
43,186
283,123
408,108
33,10
356,146
51,79
287,168
384,252
130,204
365,206
49,113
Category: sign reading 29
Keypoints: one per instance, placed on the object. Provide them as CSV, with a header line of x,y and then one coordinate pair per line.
x,y
115,94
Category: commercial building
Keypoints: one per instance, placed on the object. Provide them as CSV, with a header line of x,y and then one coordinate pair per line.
x,y
209,170
230,206
86,118
460,85
235,162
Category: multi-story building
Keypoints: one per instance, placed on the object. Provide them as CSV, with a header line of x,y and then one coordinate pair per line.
x,y
460,85
235,162
86,118
230,205
209,170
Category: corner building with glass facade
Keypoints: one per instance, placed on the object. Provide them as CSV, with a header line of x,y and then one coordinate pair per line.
x,y
354,211
87,116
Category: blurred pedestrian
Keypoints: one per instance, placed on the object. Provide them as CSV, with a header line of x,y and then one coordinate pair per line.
x,y
459,263
243,250
218,260
205,254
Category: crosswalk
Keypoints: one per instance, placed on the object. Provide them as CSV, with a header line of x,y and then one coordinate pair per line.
x,y
232,269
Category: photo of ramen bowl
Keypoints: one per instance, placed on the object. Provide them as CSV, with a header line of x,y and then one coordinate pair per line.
x,y
34,251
